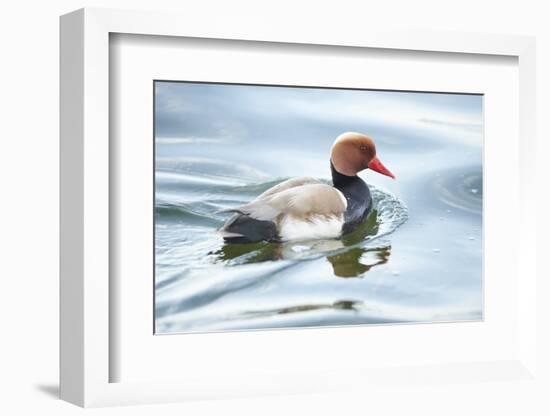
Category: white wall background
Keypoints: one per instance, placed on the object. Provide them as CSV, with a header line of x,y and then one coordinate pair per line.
x,y
29,56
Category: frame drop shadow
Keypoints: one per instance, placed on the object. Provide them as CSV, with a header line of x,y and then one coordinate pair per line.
x,y
51,390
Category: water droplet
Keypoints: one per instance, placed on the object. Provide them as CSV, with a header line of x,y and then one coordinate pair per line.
x,y
436,250
474,190
441,218
471,238
395,273
449,211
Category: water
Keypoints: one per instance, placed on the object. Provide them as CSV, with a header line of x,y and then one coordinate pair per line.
x,y
416,258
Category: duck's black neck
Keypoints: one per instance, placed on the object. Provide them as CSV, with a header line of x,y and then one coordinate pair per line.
x,y
357,194
339,180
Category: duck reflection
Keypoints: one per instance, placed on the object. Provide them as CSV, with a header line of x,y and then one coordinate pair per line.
x,y
353,262
357,261
248,253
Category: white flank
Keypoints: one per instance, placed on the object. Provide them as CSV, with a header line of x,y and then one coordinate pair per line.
x,y
317,226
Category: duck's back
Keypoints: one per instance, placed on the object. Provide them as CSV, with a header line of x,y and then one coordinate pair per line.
x,y
298,208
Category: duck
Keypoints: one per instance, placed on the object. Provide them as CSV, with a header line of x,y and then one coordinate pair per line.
x,y
305,208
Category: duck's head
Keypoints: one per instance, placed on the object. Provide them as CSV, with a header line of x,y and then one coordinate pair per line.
x,y
353,152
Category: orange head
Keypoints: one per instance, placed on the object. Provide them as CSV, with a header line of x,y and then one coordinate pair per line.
x,y
353,152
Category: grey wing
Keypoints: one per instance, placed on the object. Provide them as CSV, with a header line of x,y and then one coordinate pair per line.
x,y
301,201
288,184
280,187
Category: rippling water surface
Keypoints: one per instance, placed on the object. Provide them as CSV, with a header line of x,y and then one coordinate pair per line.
x,y
416,258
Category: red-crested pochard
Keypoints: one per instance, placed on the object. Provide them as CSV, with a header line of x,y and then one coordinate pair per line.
x,y
305,208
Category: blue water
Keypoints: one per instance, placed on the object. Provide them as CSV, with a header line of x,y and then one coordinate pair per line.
x,y
417,257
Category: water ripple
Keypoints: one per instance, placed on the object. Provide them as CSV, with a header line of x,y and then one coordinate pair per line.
x,y
197,271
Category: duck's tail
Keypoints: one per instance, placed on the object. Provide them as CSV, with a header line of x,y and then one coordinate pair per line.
x,y
241,228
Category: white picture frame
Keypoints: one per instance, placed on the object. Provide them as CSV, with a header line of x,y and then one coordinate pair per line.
x,y
86,356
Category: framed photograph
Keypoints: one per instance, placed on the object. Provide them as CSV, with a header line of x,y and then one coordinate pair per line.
x,y
262,220
270,212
